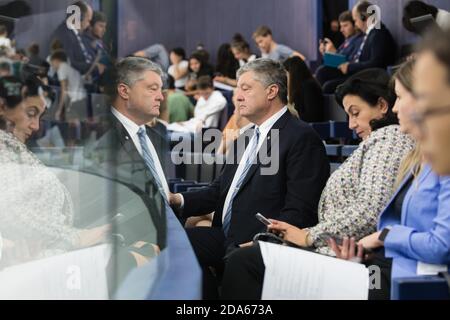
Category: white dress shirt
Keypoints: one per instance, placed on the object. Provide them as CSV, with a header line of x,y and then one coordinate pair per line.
x,y
264,130
133,129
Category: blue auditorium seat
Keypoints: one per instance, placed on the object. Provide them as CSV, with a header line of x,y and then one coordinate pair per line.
x,y
420,288
333,111
200,186
334,166
185,186
333,130
172,182
347,151
333,150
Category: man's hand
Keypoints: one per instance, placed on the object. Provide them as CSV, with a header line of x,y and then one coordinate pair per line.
x,y
329,46
344,67
175,200
289,232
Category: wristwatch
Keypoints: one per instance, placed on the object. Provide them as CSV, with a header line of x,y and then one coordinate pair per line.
x,y
384,234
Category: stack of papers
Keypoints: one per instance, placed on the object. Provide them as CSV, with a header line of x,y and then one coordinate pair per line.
x,y
295,274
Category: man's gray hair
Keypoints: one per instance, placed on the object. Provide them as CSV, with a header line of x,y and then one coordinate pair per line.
x,y
268,72
130,70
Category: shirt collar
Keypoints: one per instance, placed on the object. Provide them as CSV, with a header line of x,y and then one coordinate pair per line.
x,y
131,127
370,28
245,128
265,127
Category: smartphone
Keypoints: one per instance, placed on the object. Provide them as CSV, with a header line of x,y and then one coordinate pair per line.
x,y
263,219
327,236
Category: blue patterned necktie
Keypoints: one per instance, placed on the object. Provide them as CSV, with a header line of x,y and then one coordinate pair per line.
x,y
87,56
146,154
252,153
361,48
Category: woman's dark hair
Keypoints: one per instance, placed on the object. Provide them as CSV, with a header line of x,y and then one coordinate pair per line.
x,y
170,82
13,91
414,9
298,74
227,65
371,85
205,67
199,57
240,44
179,52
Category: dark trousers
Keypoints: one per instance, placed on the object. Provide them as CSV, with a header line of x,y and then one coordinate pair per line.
x,y
329,78
209,247
244,275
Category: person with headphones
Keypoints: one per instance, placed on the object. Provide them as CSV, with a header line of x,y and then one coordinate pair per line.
x,y
377,50
69,34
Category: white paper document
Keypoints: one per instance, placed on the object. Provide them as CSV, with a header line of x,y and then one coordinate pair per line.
x,y
294,274
77,275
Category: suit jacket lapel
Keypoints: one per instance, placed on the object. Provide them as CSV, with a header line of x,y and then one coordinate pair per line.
x,y
424,174
279,125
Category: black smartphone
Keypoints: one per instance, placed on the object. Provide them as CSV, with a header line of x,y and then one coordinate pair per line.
x,y
263,219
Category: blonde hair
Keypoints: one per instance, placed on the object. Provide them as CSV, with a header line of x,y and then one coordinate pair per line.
x,y
412,163
262,31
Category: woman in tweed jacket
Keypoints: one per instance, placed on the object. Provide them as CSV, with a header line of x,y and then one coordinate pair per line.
x,y
355,194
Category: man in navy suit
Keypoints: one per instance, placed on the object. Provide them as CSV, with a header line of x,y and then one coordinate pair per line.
x,y
246,186
378,48
71,39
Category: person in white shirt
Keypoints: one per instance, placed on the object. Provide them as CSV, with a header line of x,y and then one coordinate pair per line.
x,y
179,68
207,110
73,95
5,41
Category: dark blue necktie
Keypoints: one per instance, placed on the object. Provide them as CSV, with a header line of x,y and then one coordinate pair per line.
x,y
148,159
252,153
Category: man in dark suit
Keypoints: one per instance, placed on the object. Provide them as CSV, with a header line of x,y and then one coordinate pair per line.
x,y
131,152
378,48
71,39
281,174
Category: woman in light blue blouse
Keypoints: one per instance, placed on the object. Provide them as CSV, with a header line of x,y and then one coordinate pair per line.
x,y
414,229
